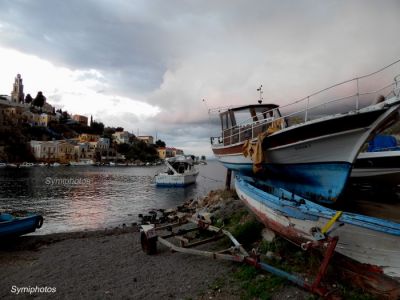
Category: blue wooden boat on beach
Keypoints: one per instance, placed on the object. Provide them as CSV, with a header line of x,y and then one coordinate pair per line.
x,y
367,246
12,226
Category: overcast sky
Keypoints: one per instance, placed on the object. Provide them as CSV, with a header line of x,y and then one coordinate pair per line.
x,y
147,65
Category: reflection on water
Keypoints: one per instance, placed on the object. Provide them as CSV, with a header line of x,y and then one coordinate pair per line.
x,y
77,198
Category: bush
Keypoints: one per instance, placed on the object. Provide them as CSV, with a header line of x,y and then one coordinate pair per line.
x,y
248,232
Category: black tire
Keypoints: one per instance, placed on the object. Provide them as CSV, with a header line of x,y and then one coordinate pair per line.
x,y
149,246
39,221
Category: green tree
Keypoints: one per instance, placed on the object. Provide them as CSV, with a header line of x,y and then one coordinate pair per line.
x,y
64,116
39,100
132,139
108,132
28,98
123,148
160,143
97,127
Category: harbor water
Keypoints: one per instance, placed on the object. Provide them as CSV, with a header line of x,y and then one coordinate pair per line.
x,y
89,198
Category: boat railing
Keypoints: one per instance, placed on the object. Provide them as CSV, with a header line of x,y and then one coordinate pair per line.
x,y
309,108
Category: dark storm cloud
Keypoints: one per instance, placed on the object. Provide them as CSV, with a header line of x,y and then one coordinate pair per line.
x,y
88,34
172,54
135,43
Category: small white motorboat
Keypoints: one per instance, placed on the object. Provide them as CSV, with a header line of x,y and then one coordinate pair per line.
x,y
181,172
82,162
26,165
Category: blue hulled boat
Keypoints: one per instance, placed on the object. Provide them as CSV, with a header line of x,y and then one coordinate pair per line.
x,y
11,226
368,247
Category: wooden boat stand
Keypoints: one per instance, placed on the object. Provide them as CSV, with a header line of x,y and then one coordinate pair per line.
x,y
236,253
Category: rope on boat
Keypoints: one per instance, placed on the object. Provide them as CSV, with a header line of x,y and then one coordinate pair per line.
x,y
216,180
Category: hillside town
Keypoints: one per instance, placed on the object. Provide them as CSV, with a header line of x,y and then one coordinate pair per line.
x,y
34,131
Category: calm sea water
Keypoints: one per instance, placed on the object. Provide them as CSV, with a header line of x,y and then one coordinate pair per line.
x,y
85,198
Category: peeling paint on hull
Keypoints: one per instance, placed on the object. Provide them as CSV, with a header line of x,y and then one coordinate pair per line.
x,y
370,256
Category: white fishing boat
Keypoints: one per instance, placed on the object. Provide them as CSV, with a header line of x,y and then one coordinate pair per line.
x,y
180,172
26,165
368,247
378,167
380,164
308,150
82,162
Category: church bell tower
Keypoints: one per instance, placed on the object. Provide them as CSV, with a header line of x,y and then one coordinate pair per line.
x,y
17,94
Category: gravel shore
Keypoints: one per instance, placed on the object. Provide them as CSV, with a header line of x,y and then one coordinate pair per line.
x,y
104,265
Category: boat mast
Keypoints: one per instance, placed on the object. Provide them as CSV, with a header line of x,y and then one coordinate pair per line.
x,y
261,93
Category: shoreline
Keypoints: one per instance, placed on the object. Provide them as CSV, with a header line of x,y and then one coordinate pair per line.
x,y
109,263
104,264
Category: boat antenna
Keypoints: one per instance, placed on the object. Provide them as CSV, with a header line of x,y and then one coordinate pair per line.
x,y
205,104
261,92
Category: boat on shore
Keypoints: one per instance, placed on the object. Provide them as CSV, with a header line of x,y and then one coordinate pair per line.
x,y
380,164
12,226
180,172
367,249
308,151
381,167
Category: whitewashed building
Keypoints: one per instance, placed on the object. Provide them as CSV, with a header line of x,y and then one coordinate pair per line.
x,y
121,137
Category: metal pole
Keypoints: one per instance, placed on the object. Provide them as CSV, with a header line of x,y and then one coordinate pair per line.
x,y
306,116
358,95
228,179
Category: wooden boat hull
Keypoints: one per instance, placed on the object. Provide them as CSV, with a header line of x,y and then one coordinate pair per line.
x,y
367,241
314,159
15,226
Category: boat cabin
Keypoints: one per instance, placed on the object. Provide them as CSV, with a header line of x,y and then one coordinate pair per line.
x,y
247,122
179,164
